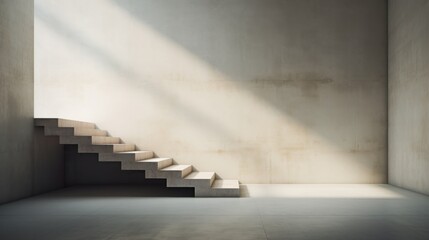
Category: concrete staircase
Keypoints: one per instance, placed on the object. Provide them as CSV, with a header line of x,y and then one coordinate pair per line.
x,y
92,140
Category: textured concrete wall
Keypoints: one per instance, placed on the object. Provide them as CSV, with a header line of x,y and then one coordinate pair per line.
x,y
27,166
261,91
409,94
16,99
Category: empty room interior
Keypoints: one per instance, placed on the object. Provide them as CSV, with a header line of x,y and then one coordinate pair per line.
x,y
214,119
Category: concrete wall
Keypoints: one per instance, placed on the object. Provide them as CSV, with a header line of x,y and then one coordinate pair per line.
x,y
27,167
16,99
262,91
409,94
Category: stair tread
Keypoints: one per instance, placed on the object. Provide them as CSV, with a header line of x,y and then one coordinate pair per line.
x,y
153,160
132,152
226,184
84,128
113,144
71,120
175,168
99,137
200,175
79,131
83,136
62,122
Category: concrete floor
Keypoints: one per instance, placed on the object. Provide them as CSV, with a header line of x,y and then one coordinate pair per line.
x,y
271,212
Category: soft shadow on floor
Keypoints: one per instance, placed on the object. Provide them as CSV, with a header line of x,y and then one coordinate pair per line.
x,y
123,191
134,212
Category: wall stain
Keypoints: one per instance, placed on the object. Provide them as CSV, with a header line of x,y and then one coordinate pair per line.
x,y
308,83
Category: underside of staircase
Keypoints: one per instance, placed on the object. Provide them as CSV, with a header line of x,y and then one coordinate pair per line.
x,y
111,149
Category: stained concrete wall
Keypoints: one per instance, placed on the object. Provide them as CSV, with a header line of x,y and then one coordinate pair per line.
x,y
261,91
27,167
409,94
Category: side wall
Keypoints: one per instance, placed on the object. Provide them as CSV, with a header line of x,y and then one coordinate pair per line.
x,y
266,91
16,99
27,167
409,94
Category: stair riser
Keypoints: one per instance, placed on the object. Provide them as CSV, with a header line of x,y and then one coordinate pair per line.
x,y
114,157
144,155
168,174
62,123
105,140
75,140
123,148
120,157
132,166
149,166
55,131
89,132
104,148
88,140
177,182
209,192
69,131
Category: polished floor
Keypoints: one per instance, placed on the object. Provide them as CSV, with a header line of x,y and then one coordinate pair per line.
x,y
264,212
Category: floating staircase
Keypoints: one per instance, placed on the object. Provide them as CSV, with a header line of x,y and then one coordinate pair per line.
x,y
111,149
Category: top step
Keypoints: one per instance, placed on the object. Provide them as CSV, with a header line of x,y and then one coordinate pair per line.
x,y
59,122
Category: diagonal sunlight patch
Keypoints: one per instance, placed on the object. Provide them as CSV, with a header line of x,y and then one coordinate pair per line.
x,y
166,98
343,191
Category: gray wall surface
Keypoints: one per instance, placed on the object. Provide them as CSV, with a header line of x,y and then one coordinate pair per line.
x,y
409,94
261,91
16,99
25,168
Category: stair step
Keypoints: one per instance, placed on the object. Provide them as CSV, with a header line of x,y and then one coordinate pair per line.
x,y
201,176
89,132
193,179
220,188
106,148
226,184
157,163
139,155
182,169
150,165
70,131
105,140
89,140
60,122
130,156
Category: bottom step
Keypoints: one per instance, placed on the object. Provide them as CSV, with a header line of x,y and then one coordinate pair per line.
x,y
220,188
